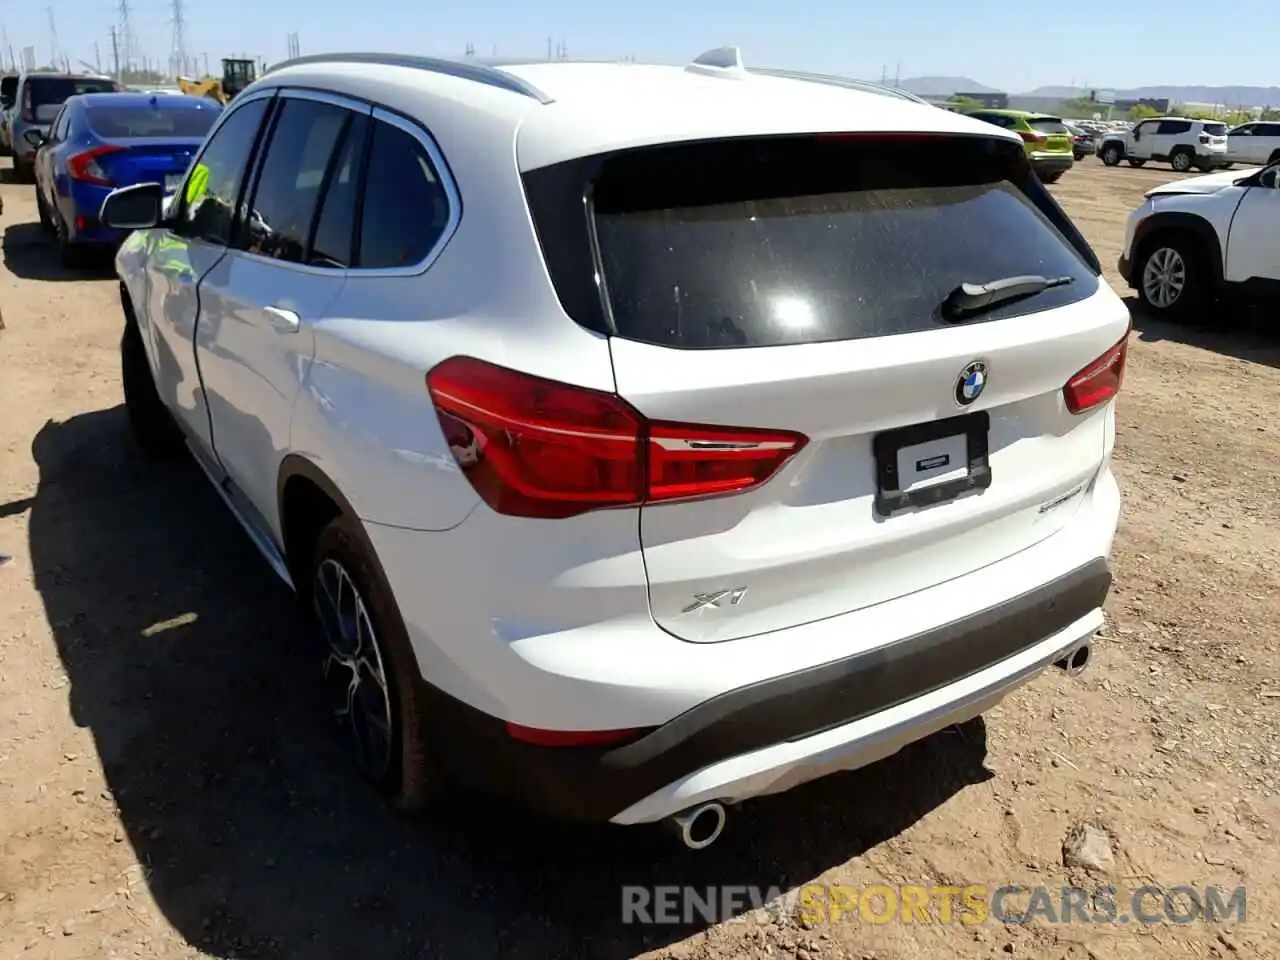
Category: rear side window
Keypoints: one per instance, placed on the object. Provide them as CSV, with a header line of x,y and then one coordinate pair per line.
x,y
127,123
1168,127
406,207
1047,125
768,242
1216,129
335,228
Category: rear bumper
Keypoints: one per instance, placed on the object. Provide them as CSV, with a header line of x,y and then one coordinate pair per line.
x,y
778,733
1052,163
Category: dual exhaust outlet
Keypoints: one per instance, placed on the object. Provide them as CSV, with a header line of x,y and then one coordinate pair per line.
x,y
699,827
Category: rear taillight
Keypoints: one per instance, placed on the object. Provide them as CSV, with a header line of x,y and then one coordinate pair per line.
x,y
1204,138
1099,381
1030,137
537,448
84,166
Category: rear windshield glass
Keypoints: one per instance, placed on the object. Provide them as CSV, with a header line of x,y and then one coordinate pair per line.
x,y
52,90
1047,125
800,240
1216,129
148,121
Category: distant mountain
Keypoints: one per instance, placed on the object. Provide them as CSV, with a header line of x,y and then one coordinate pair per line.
x,y
943,86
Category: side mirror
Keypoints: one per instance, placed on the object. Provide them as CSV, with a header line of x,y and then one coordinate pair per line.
x,y
1270,177
35,138
139,207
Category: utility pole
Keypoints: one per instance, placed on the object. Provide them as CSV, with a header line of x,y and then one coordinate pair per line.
x,y
206,66
115,54
178,55
128,39
549,46
54,52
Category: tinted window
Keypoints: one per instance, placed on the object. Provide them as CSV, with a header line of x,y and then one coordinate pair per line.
x,y
406,208
288,190
335,230
8,90
998,119
1268,130
152,121
1245,131
213,186
1216,129
816,240
54,90
1047,125
1172,127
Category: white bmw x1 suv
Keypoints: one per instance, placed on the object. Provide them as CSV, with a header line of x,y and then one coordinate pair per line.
x,y
641,438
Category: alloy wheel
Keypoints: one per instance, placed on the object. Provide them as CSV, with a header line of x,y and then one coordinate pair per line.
x,y
355,677
1164,277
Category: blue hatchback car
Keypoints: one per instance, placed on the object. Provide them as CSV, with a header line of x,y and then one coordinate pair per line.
x,y
101,141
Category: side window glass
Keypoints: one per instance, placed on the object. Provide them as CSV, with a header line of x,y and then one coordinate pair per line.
x,y
406,208
1245,131
288,190
213,184
336,226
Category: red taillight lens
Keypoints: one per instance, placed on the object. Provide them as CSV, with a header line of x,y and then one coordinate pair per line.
x,y
1099,381
1030,137
572,738
537,448
84,166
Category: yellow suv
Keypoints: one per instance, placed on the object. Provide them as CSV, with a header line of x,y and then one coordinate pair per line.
x,y
1046,139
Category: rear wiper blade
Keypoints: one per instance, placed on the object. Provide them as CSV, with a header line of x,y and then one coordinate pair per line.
x,y
969,299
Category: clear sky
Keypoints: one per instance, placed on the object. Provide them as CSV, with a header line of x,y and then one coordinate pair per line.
x,y
1014,46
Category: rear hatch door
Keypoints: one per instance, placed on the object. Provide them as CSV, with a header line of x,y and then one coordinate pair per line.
x,y
1057,138
797,284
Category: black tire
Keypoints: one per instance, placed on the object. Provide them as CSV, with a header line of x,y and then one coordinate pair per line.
x,y
1182,159
46,221
1137,163
1111,155
150,422
72,255
1226,166
1274,158
407,773
1052,177
1176,254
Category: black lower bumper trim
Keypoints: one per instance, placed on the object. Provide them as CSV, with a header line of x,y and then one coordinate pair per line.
x,y
1125,269
596,784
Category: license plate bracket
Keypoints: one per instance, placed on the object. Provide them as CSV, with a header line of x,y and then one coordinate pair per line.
x,y
954,450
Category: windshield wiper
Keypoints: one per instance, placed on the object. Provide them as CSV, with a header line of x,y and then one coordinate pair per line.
x,y
970,299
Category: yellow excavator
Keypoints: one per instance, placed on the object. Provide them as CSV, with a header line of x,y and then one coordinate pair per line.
x,y
236,75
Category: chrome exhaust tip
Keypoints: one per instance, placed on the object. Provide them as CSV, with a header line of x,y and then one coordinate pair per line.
x,y
700,827
1075,662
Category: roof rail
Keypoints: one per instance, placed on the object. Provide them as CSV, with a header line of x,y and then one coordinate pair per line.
x,y
469,69
848,83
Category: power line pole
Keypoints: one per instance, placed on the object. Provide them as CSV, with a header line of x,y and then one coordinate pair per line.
x,y
54,51
128,39
178,56
115,54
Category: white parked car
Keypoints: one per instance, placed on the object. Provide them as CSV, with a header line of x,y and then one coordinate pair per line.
x,y
1257,142
643,438
1195,240
1181,142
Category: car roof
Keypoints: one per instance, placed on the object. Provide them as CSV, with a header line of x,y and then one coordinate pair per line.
x,y
567,109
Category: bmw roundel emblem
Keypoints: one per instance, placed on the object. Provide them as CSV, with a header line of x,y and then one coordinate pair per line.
x,y
971,382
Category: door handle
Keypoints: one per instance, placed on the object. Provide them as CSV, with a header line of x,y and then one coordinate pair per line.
x,y
286,321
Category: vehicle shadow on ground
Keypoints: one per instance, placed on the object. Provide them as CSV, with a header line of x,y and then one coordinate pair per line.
x,y
30,253
1244,331
179,646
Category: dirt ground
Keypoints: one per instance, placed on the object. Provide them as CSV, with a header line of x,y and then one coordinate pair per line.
x,y
166,791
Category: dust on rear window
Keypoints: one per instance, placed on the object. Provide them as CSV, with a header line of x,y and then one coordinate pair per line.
x,y
1047,125
135,122
786,241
